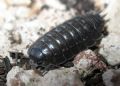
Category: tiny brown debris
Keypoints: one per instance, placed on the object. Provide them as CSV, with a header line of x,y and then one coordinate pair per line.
x,y
87,59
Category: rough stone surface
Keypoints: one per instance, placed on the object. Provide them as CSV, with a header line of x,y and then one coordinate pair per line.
x,y
112,14
88,59
112,77
110,45
110,48
59,77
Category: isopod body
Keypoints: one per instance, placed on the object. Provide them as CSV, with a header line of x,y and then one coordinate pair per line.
x,y
63,42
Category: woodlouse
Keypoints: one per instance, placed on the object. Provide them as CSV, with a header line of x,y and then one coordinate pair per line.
x,y
63,42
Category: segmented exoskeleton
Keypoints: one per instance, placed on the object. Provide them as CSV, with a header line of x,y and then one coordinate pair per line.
x,y
63,42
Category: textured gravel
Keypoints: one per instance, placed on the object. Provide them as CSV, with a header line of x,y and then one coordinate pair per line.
x,y
112,77
111,49
87,60
59,77
110,45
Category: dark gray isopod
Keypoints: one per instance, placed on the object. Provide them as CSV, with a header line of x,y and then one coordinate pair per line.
x,y
62,43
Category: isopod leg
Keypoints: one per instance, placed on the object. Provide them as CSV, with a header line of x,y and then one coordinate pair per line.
x,y
68,64
47,68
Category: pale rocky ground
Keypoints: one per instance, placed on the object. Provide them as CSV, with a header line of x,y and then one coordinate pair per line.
x,y
60,77
112,77
23,21
111,44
